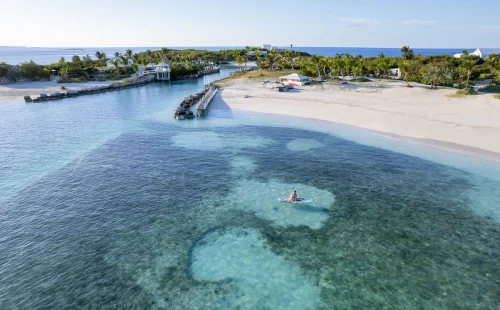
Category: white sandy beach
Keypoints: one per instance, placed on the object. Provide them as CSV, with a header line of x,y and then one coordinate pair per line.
x,y
384,106
16,91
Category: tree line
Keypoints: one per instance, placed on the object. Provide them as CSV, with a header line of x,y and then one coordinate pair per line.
x,y
432,70
182,62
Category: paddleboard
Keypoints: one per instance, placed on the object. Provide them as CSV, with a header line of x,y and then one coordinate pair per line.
x,y
299,200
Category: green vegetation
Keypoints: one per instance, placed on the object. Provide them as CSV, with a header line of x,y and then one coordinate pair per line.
x,y
492,88
432,70
32,71
496,96
260,75
360,80
435,75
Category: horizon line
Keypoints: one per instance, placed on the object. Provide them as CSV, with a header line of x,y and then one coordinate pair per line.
x,y
231,46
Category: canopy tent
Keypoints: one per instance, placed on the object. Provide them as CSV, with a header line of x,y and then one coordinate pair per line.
x,y
295,78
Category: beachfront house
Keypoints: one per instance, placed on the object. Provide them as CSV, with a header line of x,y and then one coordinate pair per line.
x,y
161,71
295,79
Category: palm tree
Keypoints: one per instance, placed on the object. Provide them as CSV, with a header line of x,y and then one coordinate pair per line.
x,y
468,65
125,62
129,53
316,62
324,64
240,61
148,54
407,53
340,64
382,64
116,64
272,61
288,58
245,58
359,65
405,67
493,62
117,54
349,63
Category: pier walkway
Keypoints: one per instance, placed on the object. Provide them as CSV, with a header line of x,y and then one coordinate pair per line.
x,y
205,101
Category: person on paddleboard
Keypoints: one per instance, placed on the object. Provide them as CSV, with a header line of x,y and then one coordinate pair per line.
x,y
293,196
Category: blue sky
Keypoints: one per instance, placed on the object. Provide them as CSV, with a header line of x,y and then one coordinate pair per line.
x,y
360,23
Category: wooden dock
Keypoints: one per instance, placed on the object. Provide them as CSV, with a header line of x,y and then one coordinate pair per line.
x,y
205,101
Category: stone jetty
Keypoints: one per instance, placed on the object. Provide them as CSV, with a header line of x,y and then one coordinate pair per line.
x,y
184,109
143,80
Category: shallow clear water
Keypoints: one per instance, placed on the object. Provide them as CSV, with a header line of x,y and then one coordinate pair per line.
x,y
107,202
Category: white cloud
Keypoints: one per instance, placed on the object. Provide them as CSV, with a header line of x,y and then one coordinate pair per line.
x,y
359,21
418,22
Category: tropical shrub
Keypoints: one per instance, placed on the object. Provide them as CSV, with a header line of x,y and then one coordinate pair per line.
x,y
4,69
436,76
32,71
492,88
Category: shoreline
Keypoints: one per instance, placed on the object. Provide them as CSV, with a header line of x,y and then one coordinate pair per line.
x,y
416,115
14,92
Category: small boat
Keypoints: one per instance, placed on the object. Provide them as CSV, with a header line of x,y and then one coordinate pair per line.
x,y
298,200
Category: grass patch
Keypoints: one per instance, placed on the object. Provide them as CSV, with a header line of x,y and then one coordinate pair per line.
x,y
496,96
462,93
360,80
259,75
456,95
73,80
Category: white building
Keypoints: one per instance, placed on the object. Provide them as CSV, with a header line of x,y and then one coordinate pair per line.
x,y
266,47
295,79
161,70
396,72
477,53
110,63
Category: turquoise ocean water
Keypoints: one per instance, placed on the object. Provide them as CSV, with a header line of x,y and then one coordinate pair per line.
x,y
107,202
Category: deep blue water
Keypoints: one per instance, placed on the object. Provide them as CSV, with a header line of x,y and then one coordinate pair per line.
x,y
107,202
16,55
